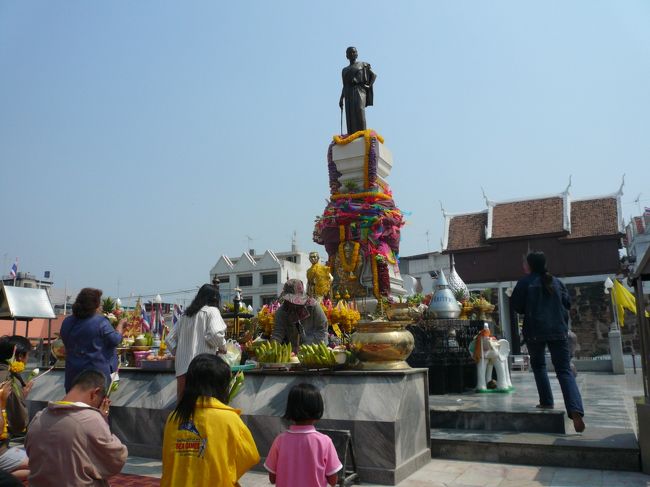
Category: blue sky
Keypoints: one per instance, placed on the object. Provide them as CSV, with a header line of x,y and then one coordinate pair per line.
x,y
139,141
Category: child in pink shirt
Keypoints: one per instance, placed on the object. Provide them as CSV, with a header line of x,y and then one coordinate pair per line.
x,y
302,456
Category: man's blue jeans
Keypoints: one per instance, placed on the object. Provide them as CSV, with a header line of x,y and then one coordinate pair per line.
x,y
562,363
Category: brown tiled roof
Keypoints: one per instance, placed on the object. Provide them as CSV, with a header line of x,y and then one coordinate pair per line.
x,y
528,217
595,217
467,231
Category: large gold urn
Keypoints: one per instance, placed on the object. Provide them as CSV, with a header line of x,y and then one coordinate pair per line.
x,y
382,345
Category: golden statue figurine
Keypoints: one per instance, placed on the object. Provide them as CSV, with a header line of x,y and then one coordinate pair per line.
x,y
319,278
348,265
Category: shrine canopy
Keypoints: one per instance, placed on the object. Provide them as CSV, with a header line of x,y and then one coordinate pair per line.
x,y
24,304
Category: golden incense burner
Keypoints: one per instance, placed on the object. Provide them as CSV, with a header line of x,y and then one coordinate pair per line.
x,y
382,345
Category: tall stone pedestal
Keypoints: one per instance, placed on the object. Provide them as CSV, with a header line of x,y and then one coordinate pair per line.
x,y
362,211
350,162
386,411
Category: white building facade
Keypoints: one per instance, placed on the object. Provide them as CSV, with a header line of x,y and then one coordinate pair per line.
x,y
416,271
259,276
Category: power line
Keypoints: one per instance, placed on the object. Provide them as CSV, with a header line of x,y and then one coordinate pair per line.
x,y
167,293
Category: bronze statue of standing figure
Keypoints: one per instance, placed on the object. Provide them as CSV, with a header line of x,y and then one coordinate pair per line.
x,y
358,79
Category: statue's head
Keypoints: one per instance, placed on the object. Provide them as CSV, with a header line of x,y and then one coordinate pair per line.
x,y
351,53
314,257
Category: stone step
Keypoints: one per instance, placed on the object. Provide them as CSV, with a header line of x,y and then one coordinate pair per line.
x,y
598,448
532,421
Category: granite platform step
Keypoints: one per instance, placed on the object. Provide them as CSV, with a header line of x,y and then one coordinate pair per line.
x,y
598,448
530,421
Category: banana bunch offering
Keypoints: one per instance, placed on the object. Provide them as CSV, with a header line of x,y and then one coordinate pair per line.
x,y
273,353
316,355
235,385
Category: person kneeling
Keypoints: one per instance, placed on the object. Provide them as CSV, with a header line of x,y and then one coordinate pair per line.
x,y
69,443
205,441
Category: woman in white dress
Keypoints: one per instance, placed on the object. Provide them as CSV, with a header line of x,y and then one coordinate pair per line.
x,y
201,329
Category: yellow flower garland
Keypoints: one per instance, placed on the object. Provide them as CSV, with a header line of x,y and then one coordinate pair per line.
x,y
352,265
366,134
381,196
375,279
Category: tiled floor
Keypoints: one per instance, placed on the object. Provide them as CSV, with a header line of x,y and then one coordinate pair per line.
x,y
608,402
608,399
450,473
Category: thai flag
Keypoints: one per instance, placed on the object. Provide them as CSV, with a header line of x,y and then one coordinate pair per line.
x,y
176,315
162,320
14,269
154,318
145,318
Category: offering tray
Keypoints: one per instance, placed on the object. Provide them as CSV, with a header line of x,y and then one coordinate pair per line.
x,y
237,368
279,365
166,364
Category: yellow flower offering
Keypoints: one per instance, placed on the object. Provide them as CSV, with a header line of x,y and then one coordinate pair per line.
x,y
16,366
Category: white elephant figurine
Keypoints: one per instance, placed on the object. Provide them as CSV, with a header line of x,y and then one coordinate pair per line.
x,y
491,353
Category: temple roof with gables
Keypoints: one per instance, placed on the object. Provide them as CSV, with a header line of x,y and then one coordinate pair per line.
x,y
468,231
554,215
595,217
528,217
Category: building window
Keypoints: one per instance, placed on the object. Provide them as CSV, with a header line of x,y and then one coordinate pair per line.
x,y
268,299
291,258
247,302
270,278
223,279
245,281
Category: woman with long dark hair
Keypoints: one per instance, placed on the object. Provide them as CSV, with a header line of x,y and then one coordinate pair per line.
x,y
89,338
544,302
201,329
205,442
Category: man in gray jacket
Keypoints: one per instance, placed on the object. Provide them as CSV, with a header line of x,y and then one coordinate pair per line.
x,y
69,443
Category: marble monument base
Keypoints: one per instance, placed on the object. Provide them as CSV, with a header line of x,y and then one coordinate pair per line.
x,y
386,412
139,407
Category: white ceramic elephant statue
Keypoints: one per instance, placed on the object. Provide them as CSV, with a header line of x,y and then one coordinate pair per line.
x,y
491,353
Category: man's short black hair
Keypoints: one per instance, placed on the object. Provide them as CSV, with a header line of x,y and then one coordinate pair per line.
x,y
304,403
90,379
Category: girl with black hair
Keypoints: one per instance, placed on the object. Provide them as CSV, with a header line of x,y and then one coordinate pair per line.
x,y
303,456
201,329
205,442
544,302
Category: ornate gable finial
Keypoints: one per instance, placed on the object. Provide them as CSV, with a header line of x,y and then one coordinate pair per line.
x,y
442,208
620,190
487,202
566,191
